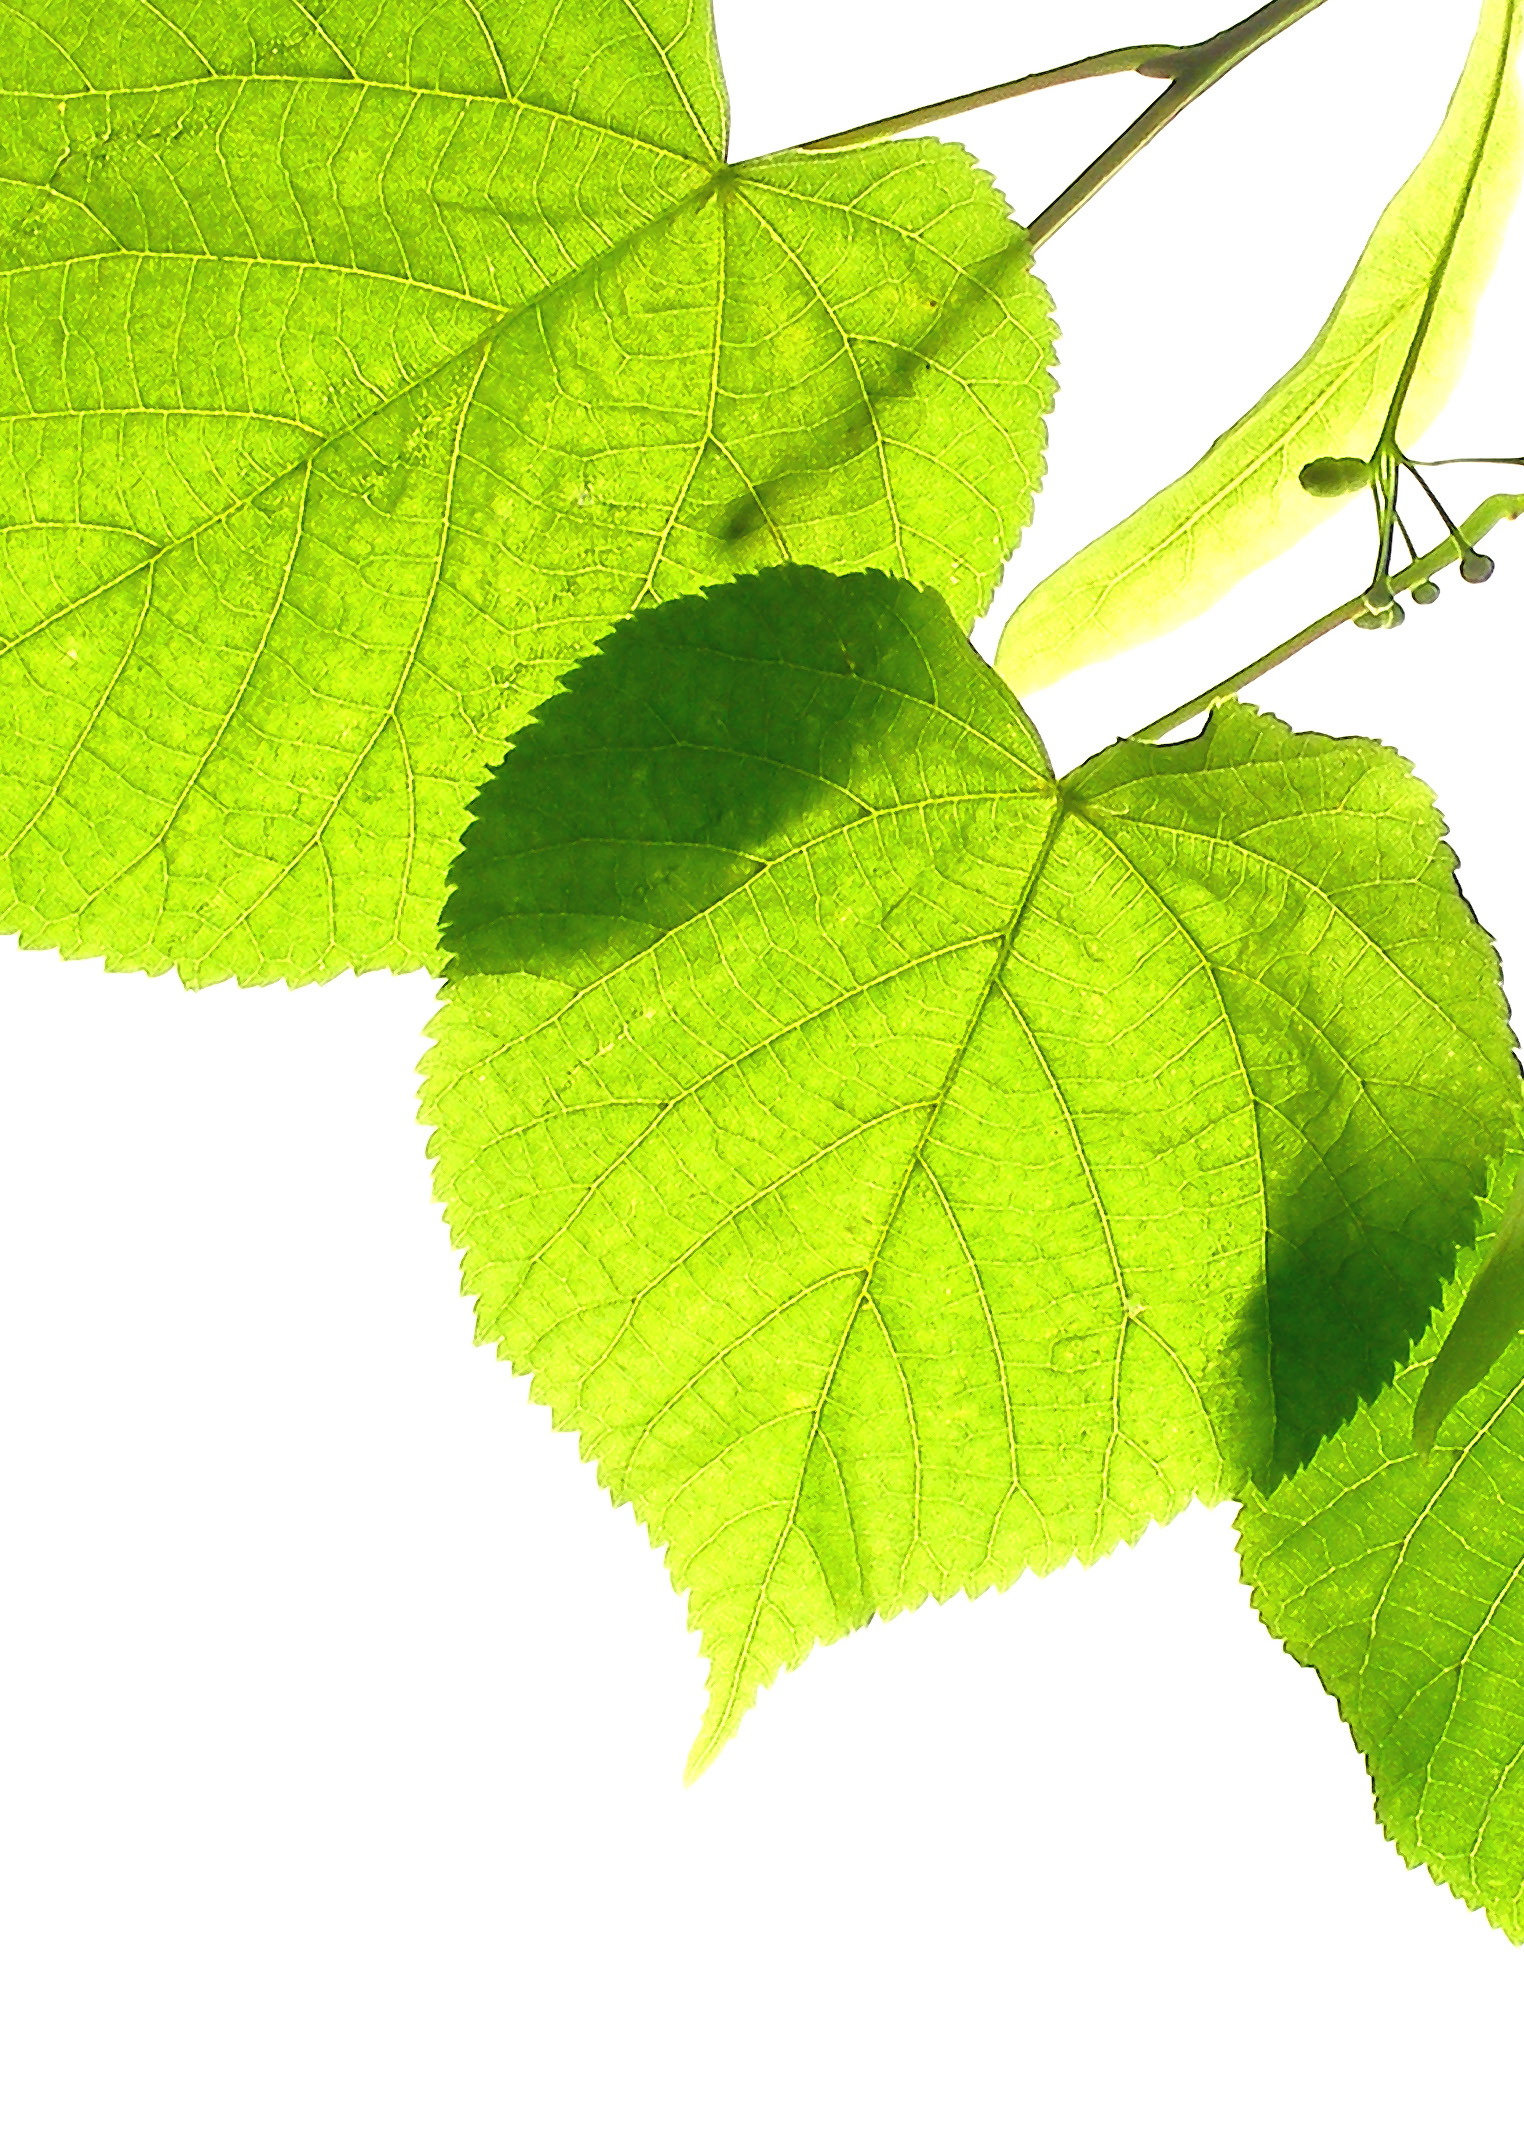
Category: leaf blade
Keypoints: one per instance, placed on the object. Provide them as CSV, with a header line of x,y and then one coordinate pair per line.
x,y
864,1154
1241,505
346,399
1394,1575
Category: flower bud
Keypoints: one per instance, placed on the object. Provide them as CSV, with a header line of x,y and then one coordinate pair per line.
x,y
1330,477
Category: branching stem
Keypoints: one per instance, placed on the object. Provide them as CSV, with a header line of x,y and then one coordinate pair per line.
x,y
1190,70
1501,508
1125,60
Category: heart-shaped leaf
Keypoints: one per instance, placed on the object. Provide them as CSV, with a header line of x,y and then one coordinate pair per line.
x,y
359,368
905,1168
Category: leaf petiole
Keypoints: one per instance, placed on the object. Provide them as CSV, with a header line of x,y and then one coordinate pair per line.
x,y
1470,558
1190,71
1499,508
1124,60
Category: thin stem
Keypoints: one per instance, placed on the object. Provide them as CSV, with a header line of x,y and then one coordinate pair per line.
x,y
1126,60
1501,508
1436,503
1387,471
1407,536
1193,70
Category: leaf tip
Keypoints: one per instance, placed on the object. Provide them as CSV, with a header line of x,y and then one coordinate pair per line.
x,y
700,1757
719,1724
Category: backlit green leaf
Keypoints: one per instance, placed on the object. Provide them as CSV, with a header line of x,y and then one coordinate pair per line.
x,y
1398,1576
904,1168
1243,503
360,366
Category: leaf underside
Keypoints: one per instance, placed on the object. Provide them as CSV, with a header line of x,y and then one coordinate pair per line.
x,y
905,1169
1398,1577
360,367
1243,504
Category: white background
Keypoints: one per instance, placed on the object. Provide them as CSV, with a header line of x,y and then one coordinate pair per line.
x,y
343,1719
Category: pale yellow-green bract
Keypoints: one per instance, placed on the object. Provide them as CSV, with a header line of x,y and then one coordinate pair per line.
x,y
903,1168
361,365
1242,504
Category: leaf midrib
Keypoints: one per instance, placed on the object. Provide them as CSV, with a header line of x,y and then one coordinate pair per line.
x,y
722,1712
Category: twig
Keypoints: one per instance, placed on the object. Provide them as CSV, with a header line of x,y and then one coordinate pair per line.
x,y
1126,60
1193,71
1500,508
1190,70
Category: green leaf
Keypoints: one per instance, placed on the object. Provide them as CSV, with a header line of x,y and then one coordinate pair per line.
x,y
361,366
1486,1324
1244,504
1398,1577
906,1169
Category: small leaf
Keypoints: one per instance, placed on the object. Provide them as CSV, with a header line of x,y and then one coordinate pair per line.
x,y
1244,503
360,367
1399,1579
905,1169
1488,1320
